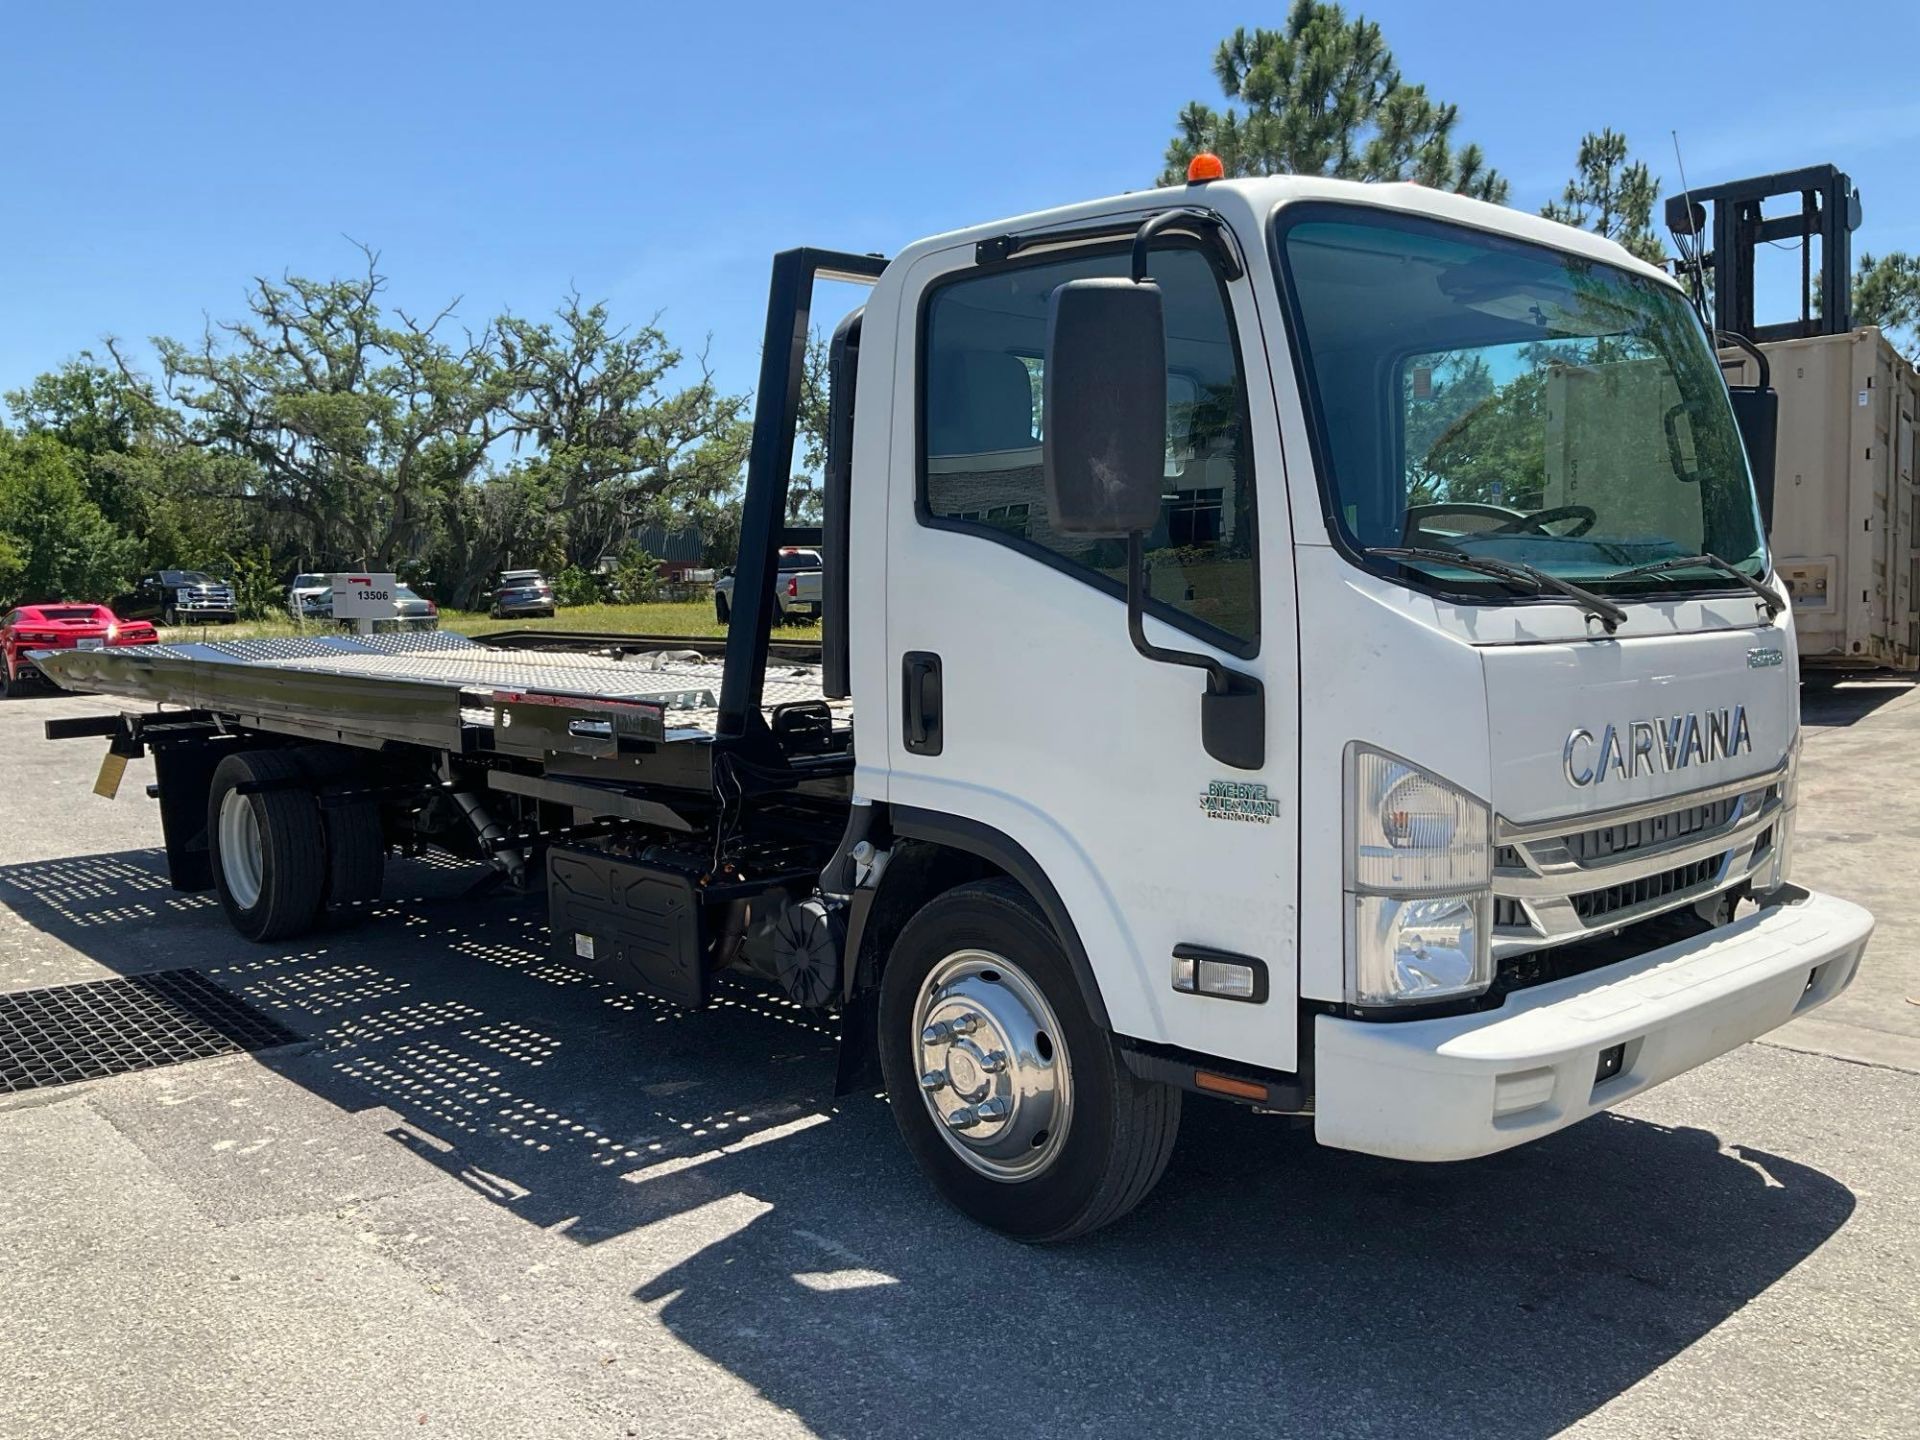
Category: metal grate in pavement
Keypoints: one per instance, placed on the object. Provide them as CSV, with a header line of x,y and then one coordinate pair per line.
x,y
113,1027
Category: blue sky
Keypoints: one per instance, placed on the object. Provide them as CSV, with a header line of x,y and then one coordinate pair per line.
x,y
159,156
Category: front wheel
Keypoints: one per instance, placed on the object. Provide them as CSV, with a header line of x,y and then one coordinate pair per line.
x,y
169,616
1016,1104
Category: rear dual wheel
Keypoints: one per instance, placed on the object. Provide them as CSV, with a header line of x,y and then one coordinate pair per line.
x,y
269,847
1017,1105
277,861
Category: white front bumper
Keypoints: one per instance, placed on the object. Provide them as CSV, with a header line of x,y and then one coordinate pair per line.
x,y
1472,1084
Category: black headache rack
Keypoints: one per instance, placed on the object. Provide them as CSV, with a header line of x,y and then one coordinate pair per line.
x,y
742,732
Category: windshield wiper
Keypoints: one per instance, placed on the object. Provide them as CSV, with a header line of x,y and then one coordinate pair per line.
x,y
1712,562
1609,613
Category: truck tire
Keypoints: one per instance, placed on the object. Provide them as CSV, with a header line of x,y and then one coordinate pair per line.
x,y
356,853
1016,1104
169,616
269,849
356,845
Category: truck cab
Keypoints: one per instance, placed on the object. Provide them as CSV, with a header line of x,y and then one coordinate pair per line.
x,y
1494,826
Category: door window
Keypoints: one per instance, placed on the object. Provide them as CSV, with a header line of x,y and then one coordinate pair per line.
x,y
983,377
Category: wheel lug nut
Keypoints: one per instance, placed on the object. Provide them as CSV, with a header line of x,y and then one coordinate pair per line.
x,y
937,1033
997,1108
963,1024
933,1080
994,1061
965,1118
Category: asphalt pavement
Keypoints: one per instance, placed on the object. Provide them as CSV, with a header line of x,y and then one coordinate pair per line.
x,y
489,1195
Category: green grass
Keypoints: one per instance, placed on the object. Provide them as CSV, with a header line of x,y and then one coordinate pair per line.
x,y
692,618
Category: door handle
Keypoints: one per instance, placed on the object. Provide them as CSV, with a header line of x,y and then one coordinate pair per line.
x,y
921,689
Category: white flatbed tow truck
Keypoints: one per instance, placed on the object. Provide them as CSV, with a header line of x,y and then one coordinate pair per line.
x,y
1372,701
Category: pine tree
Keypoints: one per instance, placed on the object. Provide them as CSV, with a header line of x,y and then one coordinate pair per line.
x,y
1886,292
1611,195
1323,96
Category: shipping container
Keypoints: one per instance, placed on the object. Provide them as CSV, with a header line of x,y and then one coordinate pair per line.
x,y
1844,525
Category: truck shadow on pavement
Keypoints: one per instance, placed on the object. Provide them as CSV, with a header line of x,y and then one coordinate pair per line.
x,y
1267,1286
1837,705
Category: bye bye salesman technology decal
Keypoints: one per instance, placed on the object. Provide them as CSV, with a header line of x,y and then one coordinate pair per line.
x,y
1239,800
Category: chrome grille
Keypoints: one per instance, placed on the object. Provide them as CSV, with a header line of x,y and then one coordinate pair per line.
x,y
1625,839
1680,881
1557,882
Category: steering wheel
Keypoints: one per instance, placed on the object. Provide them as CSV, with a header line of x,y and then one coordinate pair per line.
x,y
1512,521
1540,519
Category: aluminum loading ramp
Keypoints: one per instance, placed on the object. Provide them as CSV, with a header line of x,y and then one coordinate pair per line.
x,y
433,688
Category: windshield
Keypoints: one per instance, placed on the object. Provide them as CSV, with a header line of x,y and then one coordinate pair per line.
x,y
186,577
1514,403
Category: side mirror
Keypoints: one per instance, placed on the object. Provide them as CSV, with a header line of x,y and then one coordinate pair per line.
x,y
1756,409
1105,461
1105,407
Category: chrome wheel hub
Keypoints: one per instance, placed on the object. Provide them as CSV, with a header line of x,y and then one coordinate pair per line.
x,y
993,1065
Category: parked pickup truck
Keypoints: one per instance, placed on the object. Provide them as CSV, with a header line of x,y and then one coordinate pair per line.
x,y
175,597
796,591
310,596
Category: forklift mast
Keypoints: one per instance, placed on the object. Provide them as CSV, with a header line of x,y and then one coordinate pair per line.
x,y
1829,210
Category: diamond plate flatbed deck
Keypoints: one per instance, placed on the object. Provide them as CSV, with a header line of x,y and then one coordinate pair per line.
x,y
427,688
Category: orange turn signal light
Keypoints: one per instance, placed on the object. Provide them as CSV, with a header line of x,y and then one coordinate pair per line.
x,y
1205,166
1227,1085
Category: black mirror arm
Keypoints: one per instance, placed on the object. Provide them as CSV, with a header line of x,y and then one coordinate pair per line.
x,y
1741,342
1233,707
1190,218
1218,676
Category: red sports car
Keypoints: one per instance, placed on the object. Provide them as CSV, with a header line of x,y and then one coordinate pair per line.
x,y
59,627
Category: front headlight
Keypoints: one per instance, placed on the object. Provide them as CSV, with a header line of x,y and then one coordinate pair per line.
x,y
1426,949
1419,884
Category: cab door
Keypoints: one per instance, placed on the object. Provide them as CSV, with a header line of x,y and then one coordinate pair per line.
x,y
1018,702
